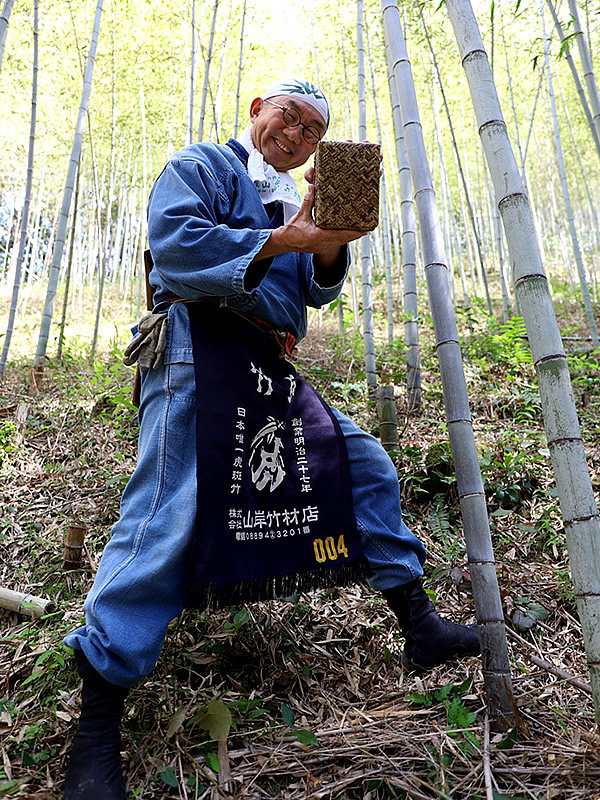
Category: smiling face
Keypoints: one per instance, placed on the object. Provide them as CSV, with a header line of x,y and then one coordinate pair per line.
x,y
281,146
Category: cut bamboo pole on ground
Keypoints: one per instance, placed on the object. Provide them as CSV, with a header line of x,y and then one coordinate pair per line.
x,y
490,617
24,603
578,505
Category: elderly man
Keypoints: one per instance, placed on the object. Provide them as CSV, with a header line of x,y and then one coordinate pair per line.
x,y
247,484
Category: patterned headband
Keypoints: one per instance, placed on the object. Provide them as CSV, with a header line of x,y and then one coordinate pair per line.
x,y
304,90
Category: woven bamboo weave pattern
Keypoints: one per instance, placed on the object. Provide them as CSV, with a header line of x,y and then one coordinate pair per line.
x,y
347,185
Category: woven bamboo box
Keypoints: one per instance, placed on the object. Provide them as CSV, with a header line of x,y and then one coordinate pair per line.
x,y
347,185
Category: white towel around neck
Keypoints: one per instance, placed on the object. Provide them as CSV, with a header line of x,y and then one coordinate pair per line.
x,y
271,184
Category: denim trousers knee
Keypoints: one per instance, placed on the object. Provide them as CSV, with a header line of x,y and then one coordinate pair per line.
x,y
139,587
394,553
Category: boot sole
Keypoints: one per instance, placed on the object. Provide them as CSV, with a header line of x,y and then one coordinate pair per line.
x,y
411,666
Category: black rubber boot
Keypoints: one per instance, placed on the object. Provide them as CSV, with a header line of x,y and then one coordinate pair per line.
x,y
94,771
429,639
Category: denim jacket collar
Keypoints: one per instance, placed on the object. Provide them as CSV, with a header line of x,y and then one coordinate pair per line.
x,y
239,151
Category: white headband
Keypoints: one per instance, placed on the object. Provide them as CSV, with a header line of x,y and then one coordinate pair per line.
x,y
305,90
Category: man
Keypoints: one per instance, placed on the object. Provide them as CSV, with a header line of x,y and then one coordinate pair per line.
x,y
246,483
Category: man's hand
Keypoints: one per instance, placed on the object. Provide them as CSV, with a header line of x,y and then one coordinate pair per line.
x,y
301,235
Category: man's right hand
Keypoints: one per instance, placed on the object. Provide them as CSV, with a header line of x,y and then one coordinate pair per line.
x,y
301,235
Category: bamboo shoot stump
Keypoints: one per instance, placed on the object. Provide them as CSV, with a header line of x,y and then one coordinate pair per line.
x,y
21,415
73,551
388,419
27,604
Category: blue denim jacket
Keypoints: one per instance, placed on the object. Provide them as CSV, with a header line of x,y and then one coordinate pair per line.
x,y
206,223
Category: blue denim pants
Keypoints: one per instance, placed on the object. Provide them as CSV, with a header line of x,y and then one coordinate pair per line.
x,y
139,586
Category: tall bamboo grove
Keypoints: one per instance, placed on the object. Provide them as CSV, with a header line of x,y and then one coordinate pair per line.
x,y
496,666
61,234
578,506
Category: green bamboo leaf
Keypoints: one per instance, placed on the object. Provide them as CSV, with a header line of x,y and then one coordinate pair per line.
x,y
168,776
537,612
306,737
288,715
216,720
212,760
176,721
508,741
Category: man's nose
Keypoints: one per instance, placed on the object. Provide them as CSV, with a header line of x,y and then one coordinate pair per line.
x,y
294,133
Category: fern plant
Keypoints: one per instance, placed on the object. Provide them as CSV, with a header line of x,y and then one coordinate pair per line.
x,y
439,519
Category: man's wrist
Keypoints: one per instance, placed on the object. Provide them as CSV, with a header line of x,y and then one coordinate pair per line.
x,y
274,246
330,267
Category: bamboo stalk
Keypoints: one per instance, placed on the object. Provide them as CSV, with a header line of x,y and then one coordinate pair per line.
x,y
365,241
239,76
63,319
4,17
496,667
474,226
206,72
567,197
21,415
190,127
29,181
578,505
385,227
408,252
576,78
586,63
68,194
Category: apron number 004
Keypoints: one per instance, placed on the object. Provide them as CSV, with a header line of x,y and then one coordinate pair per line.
x,y
328,550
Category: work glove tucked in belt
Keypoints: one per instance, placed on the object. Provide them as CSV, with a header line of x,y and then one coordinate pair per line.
x,y
148,345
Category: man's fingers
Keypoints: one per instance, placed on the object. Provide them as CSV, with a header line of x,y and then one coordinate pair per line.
x,y
308,200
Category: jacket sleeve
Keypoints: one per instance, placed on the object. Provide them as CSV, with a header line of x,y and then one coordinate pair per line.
x,y
202,230
320,291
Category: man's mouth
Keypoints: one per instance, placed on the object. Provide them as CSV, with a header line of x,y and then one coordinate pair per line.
x,y
281,146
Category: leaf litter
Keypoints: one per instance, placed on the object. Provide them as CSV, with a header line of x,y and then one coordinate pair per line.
x,y
300,699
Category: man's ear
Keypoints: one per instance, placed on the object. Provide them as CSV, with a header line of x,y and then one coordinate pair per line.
x,y
256,107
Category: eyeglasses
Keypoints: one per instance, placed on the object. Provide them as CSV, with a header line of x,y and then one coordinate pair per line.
x,y
292,119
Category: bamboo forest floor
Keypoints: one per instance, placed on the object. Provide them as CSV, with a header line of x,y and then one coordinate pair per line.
x,y
319,705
